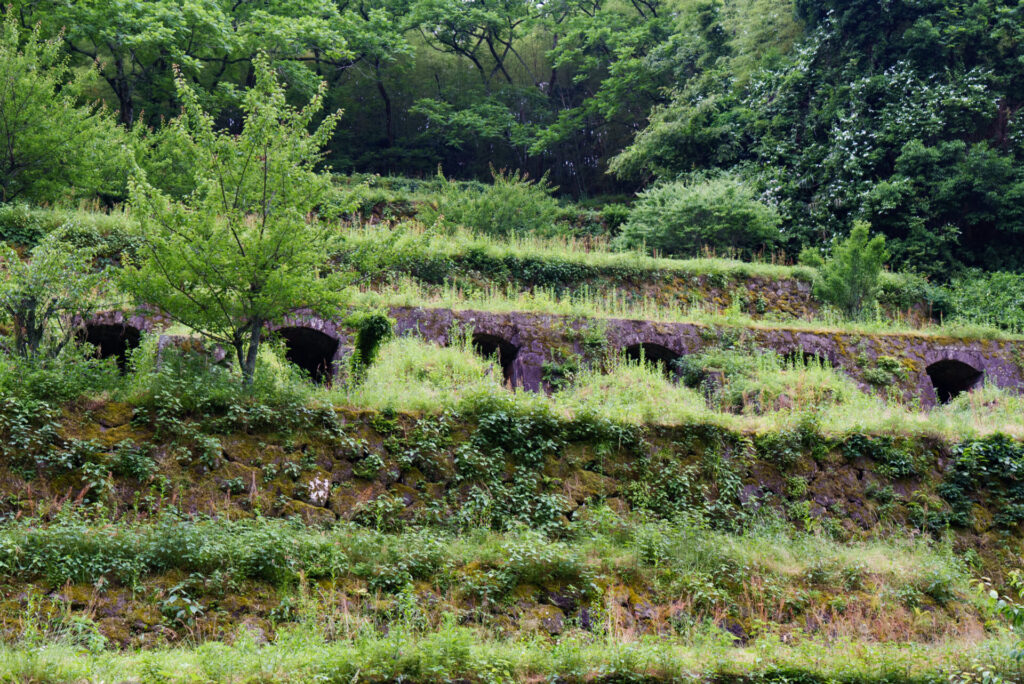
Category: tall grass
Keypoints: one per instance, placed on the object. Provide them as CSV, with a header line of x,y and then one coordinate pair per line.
x,y
411,240
420,376
301,655
583,302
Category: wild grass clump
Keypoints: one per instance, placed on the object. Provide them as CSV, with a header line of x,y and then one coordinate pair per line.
x,y
633,392
414,375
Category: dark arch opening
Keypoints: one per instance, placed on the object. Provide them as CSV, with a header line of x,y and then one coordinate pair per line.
x,y
310,350
112,340
950,378
655,354
488,346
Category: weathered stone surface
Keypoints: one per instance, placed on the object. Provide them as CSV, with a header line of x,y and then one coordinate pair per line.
x,y
310,514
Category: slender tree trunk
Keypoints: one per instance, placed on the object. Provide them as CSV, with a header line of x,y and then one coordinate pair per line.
x,y
389,125
239,344
249,366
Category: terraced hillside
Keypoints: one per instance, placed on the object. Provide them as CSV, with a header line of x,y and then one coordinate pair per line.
x,y
451,341
518,483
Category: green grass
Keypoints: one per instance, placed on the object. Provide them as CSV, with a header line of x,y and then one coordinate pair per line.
x,y
373,249
588,304
340,628
408,241
414,375
301,655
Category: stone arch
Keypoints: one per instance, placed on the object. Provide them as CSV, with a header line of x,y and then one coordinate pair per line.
x,y
112,340
311,350
654,354
952,377
488,346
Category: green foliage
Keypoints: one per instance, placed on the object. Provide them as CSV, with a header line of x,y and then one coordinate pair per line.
x,y
849,280
54,147
681,218
511,205
48,296
883,371
372,331
71,374
995,299
989,467
239,252
891,113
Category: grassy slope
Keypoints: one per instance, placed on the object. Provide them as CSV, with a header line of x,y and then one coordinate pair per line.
x,y
377,249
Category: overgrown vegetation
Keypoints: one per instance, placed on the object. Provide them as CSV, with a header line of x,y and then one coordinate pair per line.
x,y
682,218
231,449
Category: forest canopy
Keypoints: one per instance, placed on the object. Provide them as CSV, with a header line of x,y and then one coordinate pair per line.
x,y
903,114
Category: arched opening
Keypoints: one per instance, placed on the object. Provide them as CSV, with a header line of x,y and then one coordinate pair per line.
x,y
654,354
950,378
112,340
488,346
310,350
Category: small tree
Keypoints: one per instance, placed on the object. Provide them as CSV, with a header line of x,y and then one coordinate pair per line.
x,y
850,278
51,146
242,250
47,296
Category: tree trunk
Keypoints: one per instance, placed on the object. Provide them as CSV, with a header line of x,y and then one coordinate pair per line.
x,y
389,125
249,365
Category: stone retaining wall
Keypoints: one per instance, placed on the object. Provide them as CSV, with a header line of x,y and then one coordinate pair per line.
x,y
539,338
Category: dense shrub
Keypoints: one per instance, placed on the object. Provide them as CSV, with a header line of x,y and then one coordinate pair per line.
x,y
995,299
512,205
682,217
72,373
850,278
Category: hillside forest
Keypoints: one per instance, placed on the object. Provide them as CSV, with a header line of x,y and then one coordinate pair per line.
x,y
901,114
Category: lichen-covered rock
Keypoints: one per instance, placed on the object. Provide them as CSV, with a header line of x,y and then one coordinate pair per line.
x,y
547,618
311,515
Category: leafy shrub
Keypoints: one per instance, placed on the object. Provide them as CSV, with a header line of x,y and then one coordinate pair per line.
x,y
884,371
19,225
372,331
680,218
904,290
614,216
850,279
73,373
995,299
512,205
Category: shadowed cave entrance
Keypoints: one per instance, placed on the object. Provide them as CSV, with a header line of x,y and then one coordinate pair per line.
x,y
950,378
310,350
655,355
488,346
112,340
